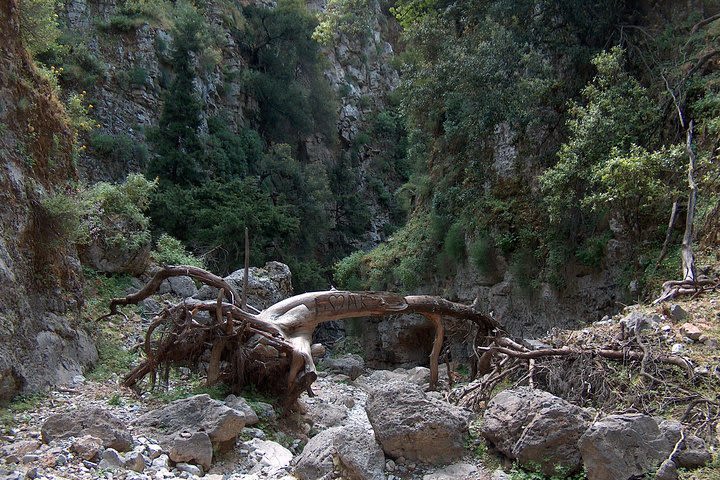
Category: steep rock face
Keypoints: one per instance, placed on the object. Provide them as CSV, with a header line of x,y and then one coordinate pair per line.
x,y
129,95
39,272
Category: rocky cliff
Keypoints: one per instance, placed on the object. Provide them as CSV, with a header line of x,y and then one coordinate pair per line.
x,y
41,279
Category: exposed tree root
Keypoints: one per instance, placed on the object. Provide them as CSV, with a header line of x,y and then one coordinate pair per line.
x,y
271,349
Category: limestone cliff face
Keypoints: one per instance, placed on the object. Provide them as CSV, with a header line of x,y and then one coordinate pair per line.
x,y
39,273
129,96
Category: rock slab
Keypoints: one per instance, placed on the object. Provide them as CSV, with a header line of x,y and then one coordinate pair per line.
x,y
536,427
410,424
92,421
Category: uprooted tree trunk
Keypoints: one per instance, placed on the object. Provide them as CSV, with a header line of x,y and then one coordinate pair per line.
x,y
273,348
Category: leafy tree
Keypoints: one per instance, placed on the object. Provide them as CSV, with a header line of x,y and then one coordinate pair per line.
x,y
38,24
617,113
178,147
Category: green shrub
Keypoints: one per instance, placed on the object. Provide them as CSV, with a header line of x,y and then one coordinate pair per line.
x,y
38,24
454,243
481,254
348,272
64,219
171,251
119,148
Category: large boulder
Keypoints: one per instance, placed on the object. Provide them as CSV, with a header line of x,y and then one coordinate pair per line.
x,y
619,447
266,286
536,427
355,449
90,421
410,424
350,364
182,418
192,447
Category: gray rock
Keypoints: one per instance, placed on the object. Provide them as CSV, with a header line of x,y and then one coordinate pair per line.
x,y
266,286
134,461
111,459
466,471
410,424
667,471
199,413
265,411
87,447
241,405
91,421
358,455
536,427
110,258
163,461
639,320
182,287
678,313
350,364
191,469
195,448
691,452
619,447
271,456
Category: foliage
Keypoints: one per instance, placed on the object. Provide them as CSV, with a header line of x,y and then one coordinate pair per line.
x,y
618,113
171,251
561,473
285,72
120,149
352,18
38,24
115,213
132,14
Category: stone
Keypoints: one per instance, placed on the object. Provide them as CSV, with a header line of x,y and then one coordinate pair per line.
x,y
241,405
677,348
466,471
182,286
111,459
622,446
536,427
196,448
198,413
353,447
163,461
191,469
153,451
25,447
91,421
326,415
410,424
638,320
691,331
678,313
271,456
350,364
667,471
691,452
134,461
266,286
87,447
106,257
265,411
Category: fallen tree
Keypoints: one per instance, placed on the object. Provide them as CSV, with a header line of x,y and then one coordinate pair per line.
x,y
273,349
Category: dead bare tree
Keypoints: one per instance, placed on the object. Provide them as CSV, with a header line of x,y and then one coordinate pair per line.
x,y
690,283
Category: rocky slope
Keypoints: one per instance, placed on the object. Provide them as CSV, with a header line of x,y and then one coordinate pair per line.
x,y
40,343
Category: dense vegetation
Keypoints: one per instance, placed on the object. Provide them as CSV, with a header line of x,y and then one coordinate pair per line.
x,y
536,131
608,164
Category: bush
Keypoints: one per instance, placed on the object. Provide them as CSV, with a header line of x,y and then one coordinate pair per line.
x,y
481,254
121,148
348,272
38,25
171,251
454,243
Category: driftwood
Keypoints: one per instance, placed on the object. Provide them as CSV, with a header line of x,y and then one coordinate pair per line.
x,y
280,336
